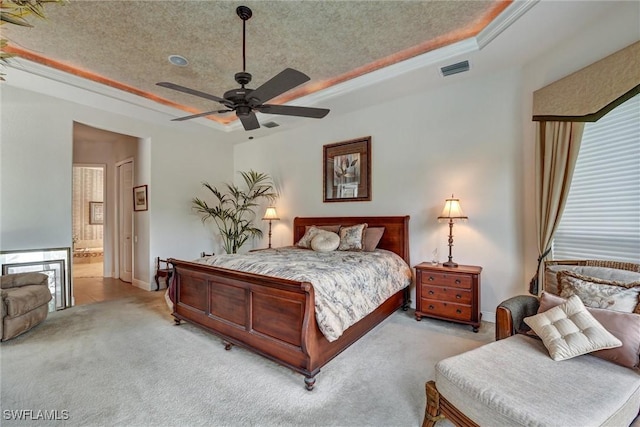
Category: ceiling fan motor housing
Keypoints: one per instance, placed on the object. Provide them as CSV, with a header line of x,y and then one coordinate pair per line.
x,y
243,78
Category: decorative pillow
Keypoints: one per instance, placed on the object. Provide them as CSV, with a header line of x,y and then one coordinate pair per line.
x,y
606,273
325,241
624,326
372,236
352,238
310,233
600,293
332,228
568,330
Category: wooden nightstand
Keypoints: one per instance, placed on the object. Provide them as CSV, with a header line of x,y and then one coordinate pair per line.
x,y
449,293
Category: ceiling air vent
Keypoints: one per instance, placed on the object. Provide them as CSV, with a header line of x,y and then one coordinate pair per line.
x,y
270,125
460,67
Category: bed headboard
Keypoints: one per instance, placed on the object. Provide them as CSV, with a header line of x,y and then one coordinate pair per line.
x,y
394,239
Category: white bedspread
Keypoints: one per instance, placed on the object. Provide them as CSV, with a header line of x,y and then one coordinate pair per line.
x,y
347,285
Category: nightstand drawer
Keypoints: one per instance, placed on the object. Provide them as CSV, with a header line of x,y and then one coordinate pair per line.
x,y
448,294
446,279
446,309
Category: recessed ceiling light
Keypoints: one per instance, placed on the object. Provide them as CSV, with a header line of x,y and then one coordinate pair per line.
x,y
178,60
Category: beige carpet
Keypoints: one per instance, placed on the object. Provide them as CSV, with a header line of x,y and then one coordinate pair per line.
x,y
124,363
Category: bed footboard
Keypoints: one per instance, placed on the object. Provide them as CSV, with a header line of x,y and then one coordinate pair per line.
x,y
270,316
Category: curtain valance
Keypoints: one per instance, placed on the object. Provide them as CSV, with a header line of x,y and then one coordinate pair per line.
x,y
591,92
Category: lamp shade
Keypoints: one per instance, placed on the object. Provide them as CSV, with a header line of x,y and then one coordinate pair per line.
x,y
271,214
452,210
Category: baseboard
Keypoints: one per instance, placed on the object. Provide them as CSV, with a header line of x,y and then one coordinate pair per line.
x,y
489,316
140,284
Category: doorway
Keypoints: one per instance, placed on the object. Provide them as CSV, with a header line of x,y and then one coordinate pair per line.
x,y
88,220
99,147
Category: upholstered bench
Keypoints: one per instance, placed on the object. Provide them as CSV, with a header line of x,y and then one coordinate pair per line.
x,y
25,302
515,381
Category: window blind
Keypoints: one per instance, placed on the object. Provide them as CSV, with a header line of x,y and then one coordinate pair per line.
x,y
601,219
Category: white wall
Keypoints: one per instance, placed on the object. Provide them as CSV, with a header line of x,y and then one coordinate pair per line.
x,y
461,139
36,166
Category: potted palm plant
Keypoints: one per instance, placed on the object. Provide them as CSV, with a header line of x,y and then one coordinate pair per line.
x,y
233,208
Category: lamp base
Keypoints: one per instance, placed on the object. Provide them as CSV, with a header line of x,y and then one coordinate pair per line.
x,y
450,264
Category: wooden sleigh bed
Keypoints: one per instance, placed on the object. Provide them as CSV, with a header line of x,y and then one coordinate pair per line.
x,y
275,317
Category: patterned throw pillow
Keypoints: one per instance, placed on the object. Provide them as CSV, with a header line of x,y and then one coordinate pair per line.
x,y
569,330
352,238
600,293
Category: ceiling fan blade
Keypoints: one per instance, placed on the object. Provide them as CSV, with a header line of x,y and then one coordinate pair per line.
x,y
206,113
279,84
250,121
194,92
292,110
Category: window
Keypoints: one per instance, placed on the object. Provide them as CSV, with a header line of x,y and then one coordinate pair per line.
x,y
601,219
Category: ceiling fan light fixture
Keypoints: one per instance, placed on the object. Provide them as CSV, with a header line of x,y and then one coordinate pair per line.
x,y
243,110
178,60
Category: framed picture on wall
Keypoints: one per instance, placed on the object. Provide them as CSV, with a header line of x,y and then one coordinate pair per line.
x,y
96,213
140,201
347,171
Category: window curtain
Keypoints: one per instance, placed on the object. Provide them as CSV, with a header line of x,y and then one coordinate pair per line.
x,y
558,144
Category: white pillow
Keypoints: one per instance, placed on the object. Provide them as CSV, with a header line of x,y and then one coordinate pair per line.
x,y
569,330
305,241
325,241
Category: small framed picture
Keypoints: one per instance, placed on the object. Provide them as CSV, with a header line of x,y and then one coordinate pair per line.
x,y
96,213
140,201
347,171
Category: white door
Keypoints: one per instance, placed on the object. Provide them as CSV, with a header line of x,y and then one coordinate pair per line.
x,y
125,220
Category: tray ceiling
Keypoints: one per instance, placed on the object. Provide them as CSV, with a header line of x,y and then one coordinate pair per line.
x,y
126,44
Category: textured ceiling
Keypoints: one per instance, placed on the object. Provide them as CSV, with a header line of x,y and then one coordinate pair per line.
x,y
126,44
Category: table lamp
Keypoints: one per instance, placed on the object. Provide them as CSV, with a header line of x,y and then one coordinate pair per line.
x,y
270,215
452,212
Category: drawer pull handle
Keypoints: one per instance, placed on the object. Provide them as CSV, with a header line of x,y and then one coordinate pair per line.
x,y
458,281
431,307
459,311
431,279
431,292
458,296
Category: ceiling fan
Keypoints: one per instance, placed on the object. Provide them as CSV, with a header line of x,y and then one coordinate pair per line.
x,y
245,102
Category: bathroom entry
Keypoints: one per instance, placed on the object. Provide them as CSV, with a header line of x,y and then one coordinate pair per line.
x,y
88,220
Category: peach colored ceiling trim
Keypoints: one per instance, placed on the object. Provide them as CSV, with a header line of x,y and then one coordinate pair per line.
x,y
31,56
429,45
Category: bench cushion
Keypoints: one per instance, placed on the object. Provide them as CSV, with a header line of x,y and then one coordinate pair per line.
x,y
514,382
